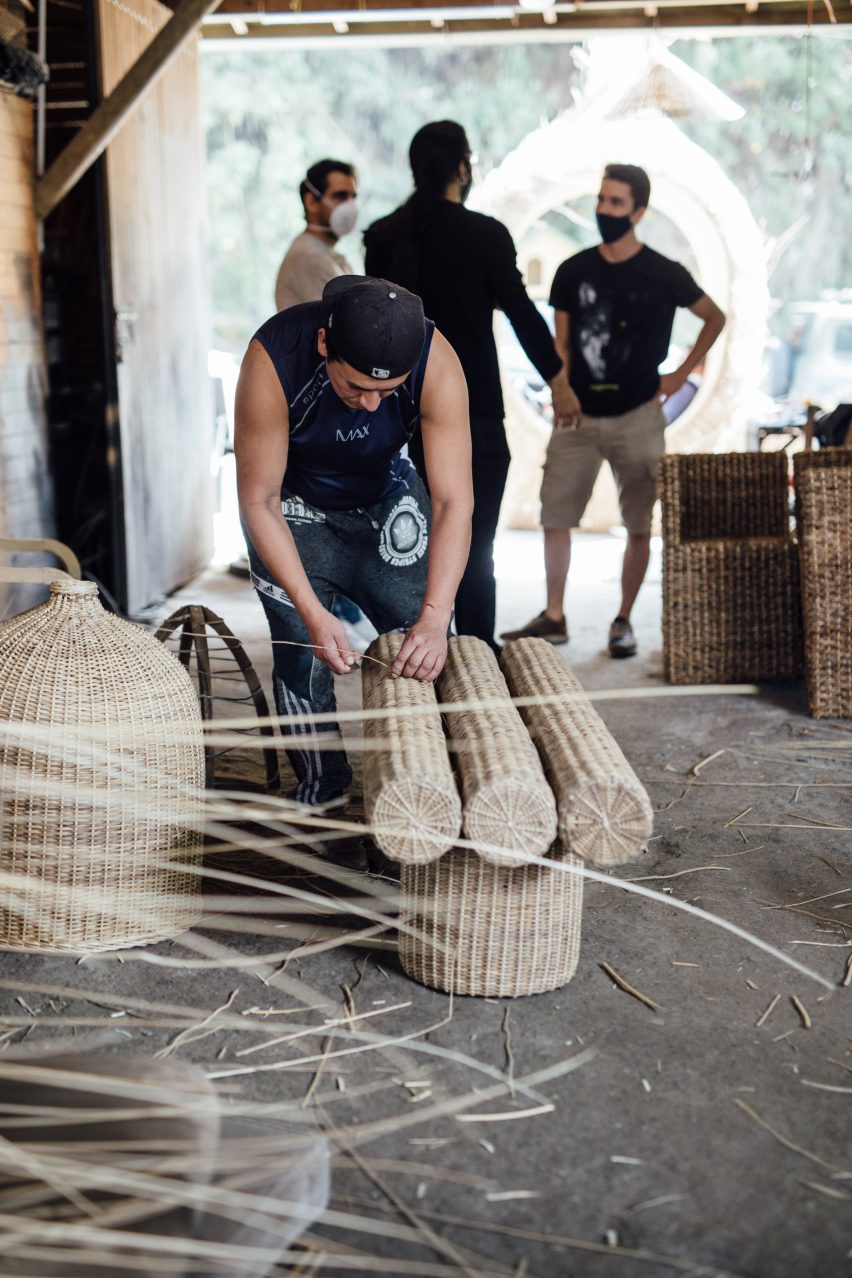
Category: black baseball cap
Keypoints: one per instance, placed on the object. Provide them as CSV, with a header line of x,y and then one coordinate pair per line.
x,y
374,325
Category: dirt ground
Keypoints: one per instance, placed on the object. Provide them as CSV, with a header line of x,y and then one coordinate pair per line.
x,y
707,1133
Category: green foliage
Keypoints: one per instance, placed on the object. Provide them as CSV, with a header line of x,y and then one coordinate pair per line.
x,y
790,155
270,114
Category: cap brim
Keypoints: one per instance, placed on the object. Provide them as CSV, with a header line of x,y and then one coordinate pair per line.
x,y
342,284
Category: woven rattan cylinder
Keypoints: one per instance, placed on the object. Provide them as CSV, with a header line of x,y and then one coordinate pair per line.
x,y
509,809
605,814
824,494
410,795
101,780
483,929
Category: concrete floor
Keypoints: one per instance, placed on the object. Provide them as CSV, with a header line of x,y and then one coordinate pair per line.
x,y
658,1157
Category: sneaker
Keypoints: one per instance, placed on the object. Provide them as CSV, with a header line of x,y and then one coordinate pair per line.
x,y
541,627
622,641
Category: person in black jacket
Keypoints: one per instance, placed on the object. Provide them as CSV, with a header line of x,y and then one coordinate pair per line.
x,y
463,265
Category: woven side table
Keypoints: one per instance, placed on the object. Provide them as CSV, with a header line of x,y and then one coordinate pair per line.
x,y
101,780
488,930
509,809
605,814
410,795
731,609
824,496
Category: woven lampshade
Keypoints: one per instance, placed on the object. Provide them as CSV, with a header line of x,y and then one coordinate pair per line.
x,y
605,814
101,780
410,796
488,930
509,809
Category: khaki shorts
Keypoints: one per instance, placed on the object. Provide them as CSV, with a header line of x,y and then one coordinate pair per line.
x,y
632,444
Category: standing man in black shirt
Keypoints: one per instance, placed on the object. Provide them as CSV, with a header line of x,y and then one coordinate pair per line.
x,y
615,307
463,265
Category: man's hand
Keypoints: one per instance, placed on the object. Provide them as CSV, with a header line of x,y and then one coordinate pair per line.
x,y
669,384
423,651
328,639
566,405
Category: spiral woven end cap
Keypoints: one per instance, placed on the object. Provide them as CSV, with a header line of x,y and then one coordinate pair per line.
x,y
69,586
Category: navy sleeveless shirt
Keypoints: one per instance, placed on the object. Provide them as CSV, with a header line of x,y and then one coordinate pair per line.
x,y
339,458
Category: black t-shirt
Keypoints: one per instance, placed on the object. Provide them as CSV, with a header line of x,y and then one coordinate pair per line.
x,y
621,324
463,266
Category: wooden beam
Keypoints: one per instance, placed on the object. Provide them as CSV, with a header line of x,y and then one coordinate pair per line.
x,y
105,121
383,9
730,16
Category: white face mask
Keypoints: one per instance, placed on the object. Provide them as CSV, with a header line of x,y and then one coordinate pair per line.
x,y
344,217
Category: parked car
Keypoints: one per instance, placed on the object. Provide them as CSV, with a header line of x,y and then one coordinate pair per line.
x,y
813,359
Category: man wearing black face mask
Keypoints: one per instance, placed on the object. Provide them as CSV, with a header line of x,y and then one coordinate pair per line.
x,y
615,307
463,266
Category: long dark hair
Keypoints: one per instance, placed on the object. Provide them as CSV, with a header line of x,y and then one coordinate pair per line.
x,y
435,154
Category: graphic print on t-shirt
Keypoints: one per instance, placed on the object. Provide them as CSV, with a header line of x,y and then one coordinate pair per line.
x,y
594,329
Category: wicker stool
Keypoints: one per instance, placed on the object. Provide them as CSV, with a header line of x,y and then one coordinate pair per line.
x,y
491,931
508,806
824,501
605,814
410,795
101,780
731,609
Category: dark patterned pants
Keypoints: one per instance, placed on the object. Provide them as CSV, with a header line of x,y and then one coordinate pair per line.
x,y
377,557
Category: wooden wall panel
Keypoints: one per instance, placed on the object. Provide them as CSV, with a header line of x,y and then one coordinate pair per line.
x,y
26,506
156,214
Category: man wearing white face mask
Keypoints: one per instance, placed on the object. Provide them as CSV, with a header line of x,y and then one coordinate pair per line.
x,y
330,199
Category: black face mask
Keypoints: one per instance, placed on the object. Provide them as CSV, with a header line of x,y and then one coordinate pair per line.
x,y
612,228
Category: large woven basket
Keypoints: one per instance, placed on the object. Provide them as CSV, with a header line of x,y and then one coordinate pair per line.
x,y
509,809
101,780
488,930
824,499
605,814
731,609
410,795
728,495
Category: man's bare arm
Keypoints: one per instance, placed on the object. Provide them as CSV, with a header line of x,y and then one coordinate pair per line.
x,y
261,439
569,417
445,424
714,321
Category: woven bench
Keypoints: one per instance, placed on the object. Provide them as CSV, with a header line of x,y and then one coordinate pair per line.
x,y
499,914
